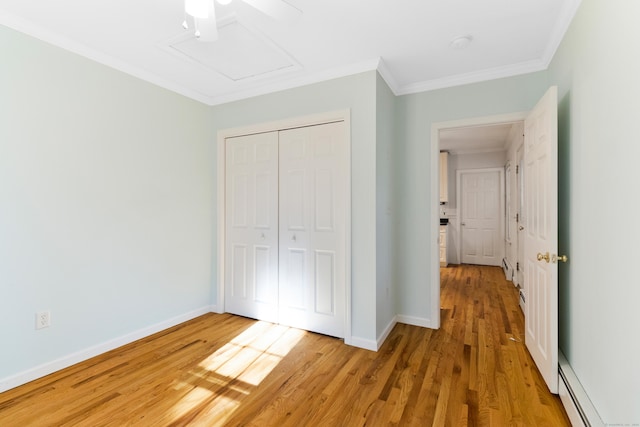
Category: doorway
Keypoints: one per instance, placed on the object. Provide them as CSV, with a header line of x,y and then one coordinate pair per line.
x,y
464,125
540,225
482,215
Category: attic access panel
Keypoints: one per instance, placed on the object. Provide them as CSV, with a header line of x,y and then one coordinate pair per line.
x,y
240,53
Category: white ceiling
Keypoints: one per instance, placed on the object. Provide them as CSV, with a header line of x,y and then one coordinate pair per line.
x,y
406,40
475,139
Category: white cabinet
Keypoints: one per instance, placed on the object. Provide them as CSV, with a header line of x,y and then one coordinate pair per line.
x,y
442,243
444,188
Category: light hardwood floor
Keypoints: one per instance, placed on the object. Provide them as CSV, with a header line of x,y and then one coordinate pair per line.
x,y
228,370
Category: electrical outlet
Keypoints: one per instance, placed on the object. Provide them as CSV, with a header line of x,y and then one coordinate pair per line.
x,y
43,319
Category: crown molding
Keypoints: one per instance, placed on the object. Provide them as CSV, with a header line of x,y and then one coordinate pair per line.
x,y
473,77
23,26
318,77
377,64
387,76
560,28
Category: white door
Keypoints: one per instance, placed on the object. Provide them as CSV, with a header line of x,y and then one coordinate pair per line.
x,y
519,223
251,246
481,217
312,228
541,236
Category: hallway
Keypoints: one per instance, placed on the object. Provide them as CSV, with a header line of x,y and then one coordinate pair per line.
x,y
493,379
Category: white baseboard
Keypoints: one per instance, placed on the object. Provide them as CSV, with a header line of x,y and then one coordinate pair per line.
x,y
579,408
82,355
383,336
362,343
415,321
375,345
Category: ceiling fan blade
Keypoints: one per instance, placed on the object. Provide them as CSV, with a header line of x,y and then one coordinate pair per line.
x,y
278,9
198,8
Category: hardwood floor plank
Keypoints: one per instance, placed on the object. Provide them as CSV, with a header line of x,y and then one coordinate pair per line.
x,y
225,370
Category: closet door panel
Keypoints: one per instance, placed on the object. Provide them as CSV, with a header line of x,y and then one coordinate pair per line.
x,y
324,283
293,274
239,269
251,241
294,183
312,228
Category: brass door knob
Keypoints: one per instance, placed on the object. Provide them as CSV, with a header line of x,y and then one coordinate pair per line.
x,y
545,257
521,228
559,258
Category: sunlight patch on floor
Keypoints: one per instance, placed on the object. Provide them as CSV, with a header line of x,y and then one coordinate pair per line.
x,y
234,370
191,400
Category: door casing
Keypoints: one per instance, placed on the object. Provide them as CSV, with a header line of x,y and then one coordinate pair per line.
x,y
290,123
434,200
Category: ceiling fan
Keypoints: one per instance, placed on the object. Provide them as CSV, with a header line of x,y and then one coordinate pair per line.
x,y
203,14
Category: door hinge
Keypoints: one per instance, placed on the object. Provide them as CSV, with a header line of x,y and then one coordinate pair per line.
x,y
517,266
517,168
517,217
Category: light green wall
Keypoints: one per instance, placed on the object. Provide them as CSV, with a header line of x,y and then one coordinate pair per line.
x,y
107,196
386,208
357,93
105,209
597,70
414,116
126,175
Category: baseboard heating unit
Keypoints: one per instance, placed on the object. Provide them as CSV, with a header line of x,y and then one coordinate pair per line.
x,y
508,269
579,408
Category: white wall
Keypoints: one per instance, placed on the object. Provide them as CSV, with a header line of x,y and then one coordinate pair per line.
x,y
597,69
105,208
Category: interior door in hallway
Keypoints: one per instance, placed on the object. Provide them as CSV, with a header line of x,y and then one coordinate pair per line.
x,y
481,216
521,214
541,236
313,206
251,241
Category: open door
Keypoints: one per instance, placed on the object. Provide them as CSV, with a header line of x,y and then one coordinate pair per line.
x,y
541,236
520,230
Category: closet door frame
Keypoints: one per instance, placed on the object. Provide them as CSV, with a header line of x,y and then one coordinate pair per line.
x,y
291,123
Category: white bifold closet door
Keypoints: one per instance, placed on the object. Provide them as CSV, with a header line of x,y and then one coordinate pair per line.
x,y
290,184
251,246
312,228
